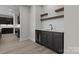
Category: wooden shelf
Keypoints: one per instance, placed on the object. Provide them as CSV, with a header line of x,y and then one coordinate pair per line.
x,y
59,16
45,14
60,9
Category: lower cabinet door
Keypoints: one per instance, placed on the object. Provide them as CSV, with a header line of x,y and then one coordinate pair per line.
x,y
58,42
7,30
44,40
37,36
50,39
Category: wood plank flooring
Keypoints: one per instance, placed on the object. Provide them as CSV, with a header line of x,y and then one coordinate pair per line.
x,y
10,44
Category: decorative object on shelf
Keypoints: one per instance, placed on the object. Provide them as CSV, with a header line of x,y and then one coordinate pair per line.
x,y
60,9
54,17
45,14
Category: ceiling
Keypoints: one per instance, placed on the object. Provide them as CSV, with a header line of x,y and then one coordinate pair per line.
x,y
9,9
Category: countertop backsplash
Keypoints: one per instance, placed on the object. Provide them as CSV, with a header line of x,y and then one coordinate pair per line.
x,y
58,24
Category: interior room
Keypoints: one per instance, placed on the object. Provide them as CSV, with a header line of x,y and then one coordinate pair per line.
x,y
31,29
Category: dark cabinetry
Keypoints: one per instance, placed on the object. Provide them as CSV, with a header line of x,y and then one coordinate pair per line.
x,y
52,40
5,20
17,32
59,42
0,34
7,30
43,36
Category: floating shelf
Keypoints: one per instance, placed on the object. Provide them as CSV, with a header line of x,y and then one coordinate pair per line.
x,y
45,14
60,9
59,16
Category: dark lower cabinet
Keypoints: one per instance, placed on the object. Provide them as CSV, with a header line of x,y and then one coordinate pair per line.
x,y
37,36
0,35
7,30
17,32
43,36
52,40
59,42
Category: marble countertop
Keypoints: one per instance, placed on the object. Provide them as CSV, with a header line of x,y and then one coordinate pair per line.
x,y
51,30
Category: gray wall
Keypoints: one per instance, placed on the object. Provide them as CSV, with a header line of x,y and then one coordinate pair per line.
x,y
71,29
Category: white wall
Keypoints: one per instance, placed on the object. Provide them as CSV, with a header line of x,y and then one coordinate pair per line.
x,y
35,22
71,29
38,21
32,22
58,23
24,18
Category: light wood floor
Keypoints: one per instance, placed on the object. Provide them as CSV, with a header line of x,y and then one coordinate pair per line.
x,y
10,44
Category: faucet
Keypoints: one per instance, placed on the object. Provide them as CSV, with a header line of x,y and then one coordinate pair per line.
x,y
51,26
